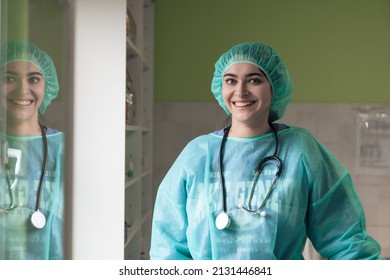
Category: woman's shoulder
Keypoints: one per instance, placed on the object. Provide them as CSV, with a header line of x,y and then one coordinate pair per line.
x,y
52,132
200,142
198,147
300,141
295,133
55,138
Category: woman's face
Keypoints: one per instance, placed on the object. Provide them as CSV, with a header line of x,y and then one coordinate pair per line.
x,y
247,94
22,91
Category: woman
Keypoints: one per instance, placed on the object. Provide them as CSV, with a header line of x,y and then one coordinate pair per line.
x,y
257,189
31,190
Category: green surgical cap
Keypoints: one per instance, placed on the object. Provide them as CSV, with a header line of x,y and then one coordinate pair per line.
x,y
266,58
25,51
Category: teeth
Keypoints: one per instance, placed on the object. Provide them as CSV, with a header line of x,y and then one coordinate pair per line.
x,y
21,102
243,104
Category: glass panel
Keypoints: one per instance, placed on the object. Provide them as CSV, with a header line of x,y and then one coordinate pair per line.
x,y
33,69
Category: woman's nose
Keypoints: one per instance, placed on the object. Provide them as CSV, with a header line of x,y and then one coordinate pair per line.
x,y
241,91
23,88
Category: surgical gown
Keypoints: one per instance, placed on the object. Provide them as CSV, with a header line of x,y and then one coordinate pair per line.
x,y
19,239
314,198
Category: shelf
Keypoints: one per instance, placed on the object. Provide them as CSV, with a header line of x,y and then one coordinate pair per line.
x,y
132,247
132,182
136,179
146,129
138,128
139,192
146,172
133,128
146,217
131,232
133,51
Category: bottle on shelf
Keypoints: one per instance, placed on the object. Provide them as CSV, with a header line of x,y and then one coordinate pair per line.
x,y
131,27
125,231
130,101
127,226
130,167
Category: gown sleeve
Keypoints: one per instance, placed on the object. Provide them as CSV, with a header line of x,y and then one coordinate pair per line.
x,y
335,221
169,226
56,250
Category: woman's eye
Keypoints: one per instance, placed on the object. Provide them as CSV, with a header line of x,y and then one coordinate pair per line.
x,y
7,79
230,81
34,80
255,81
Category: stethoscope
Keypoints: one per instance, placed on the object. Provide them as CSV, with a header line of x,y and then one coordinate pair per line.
x,y
38,219
222,221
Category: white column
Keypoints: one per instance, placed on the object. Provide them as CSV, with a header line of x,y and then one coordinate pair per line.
x,y
96,148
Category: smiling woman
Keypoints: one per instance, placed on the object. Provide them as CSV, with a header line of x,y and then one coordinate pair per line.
x,y
31,184
257,189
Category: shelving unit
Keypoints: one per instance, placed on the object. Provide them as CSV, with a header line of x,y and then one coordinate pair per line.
x,y
139,193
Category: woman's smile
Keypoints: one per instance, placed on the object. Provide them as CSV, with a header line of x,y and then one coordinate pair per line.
x,y
242,105
23,103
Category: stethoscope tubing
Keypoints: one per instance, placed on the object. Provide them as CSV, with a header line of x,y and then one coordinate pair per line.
x,y
259,168
44,165
223,189
41,179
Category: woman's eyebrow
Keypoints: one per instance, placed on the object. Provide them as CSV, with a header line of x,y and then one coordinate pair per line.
x,y
9,72
230,74
255,74
35,73
246,75
15,73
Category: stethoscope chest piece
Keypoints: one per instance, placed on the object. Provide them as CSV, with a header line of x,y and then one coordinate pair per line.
x,y
38,220
222,221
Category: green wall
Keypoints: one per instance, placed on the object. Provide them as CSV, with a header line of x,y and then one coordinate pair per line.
x,y
15,19
41,22
336,50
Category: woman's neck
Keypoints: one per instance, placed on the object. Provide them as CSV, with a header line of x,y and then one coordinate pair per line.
x,y
23,129
247,131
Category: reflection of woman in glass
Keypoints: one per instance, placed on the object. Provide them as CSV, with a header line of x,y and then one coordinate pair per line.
x,y
31,205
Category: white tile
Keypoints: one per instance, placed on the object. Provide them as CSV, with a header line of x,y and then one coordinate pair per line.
x,y
381,234
376,203
328,132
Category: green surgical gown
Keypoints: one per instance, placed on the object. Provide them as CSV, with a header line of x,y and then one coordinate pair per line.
x,y
19,239
314,198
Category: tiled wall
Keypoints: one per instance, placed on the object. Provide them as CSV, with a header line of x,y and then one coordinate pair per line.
x,y
334,125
